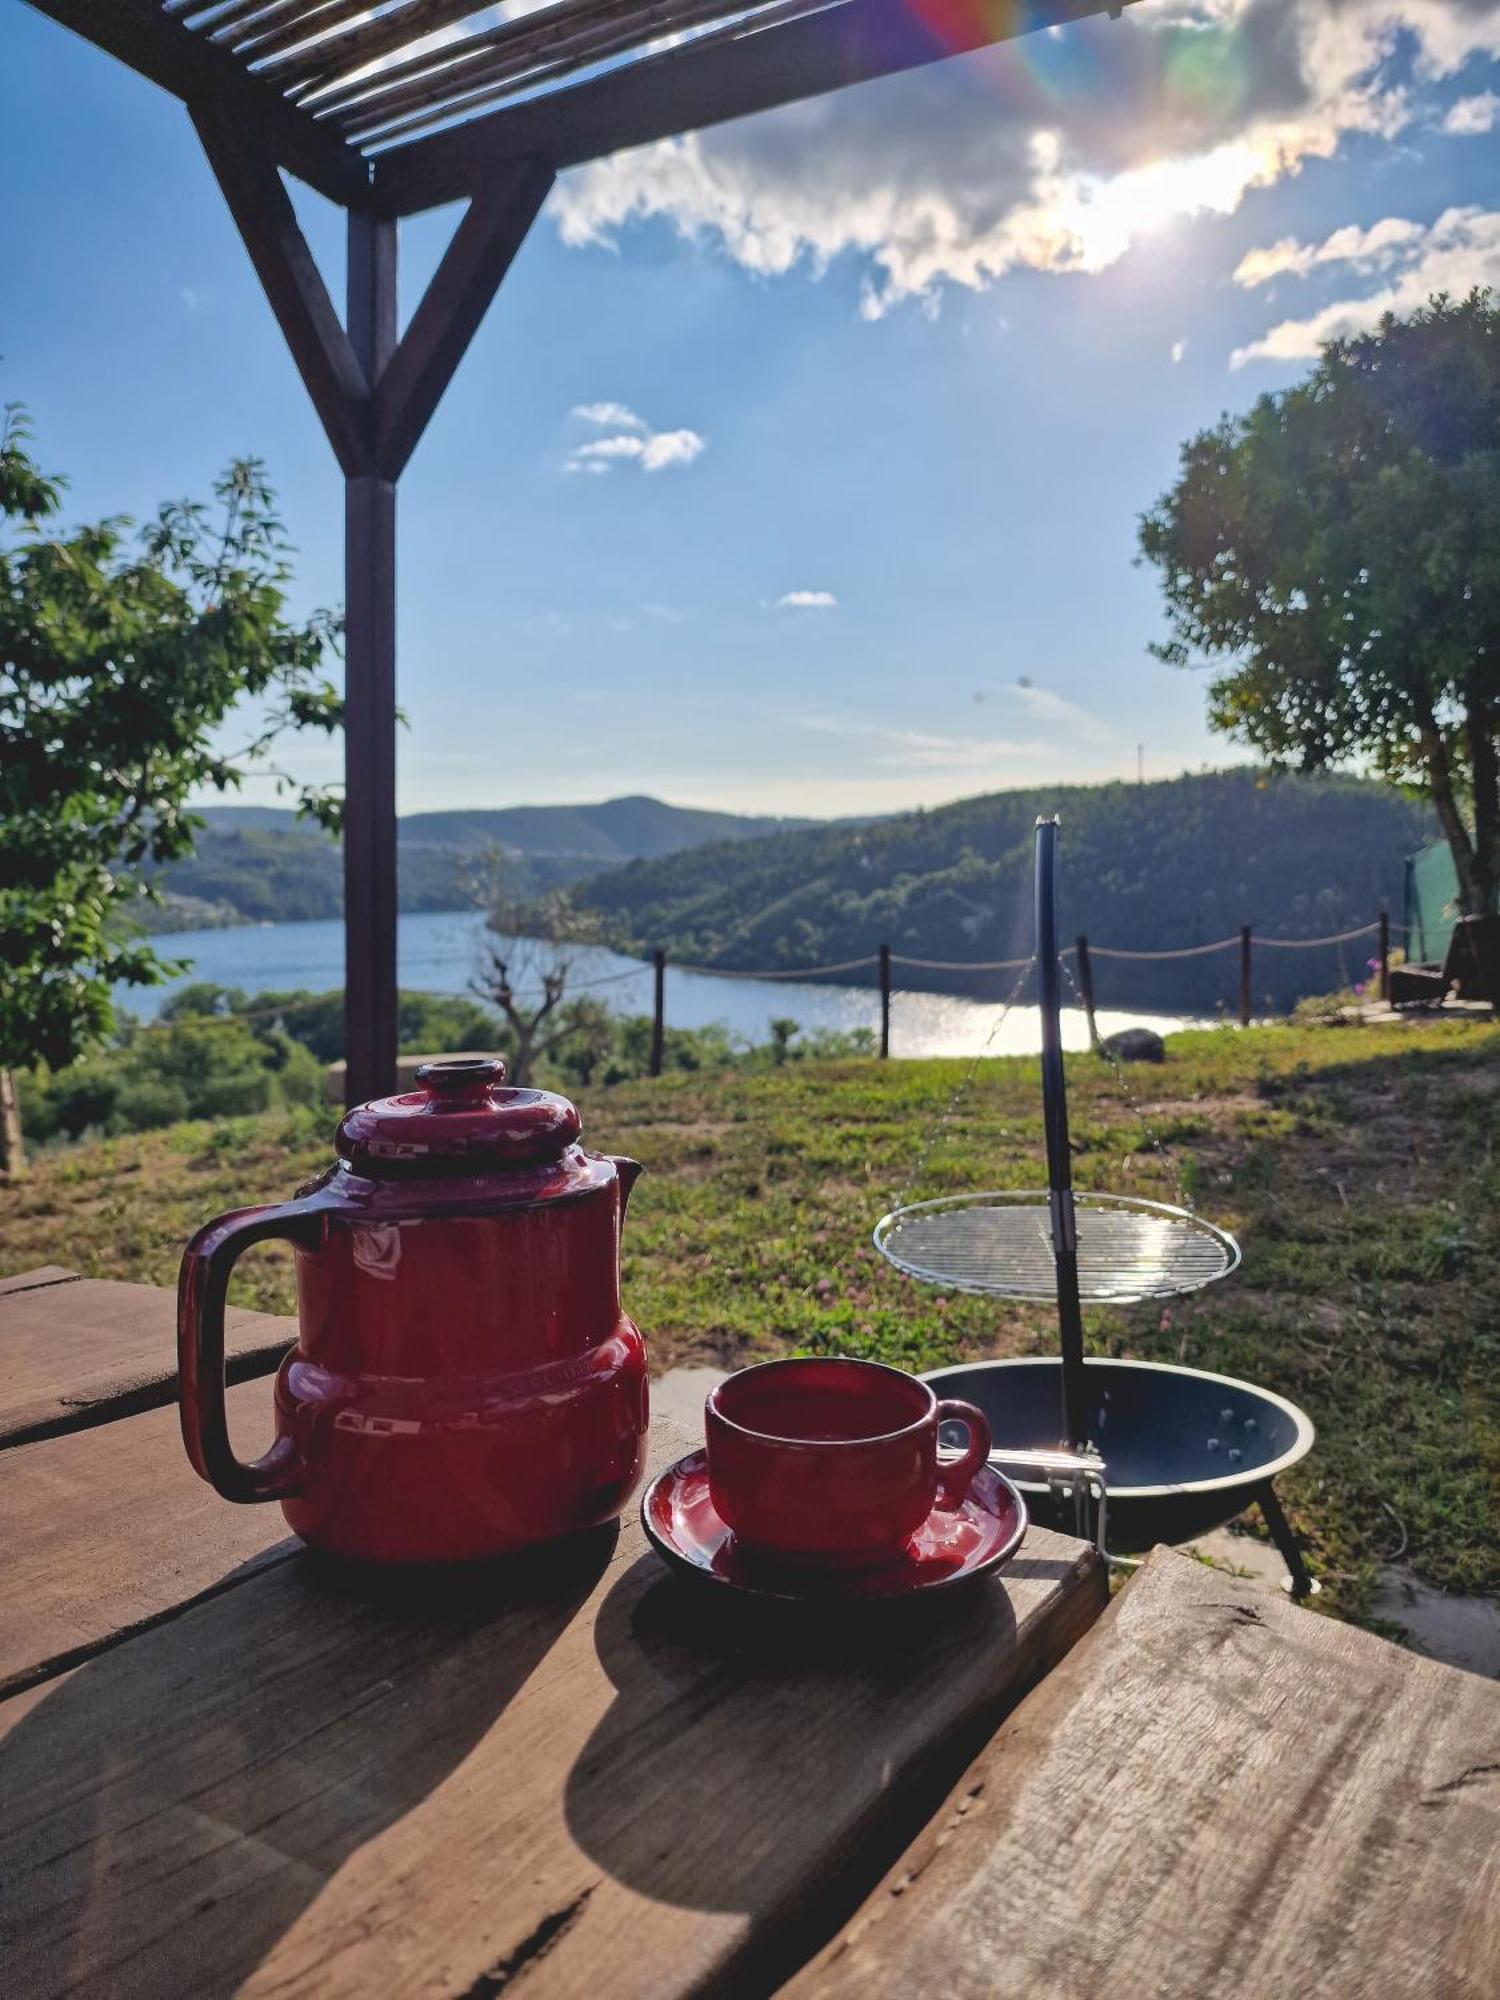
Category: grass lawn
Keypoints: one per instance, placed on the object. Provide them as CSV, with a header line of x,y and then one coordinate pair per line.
x,y
1356,1165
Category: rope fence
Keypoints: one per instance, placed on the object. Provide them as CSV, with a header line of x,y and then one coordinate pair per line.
x,y
1082,952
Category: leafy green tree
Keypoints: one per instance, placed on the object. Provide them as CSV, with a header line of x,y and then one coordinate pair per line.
x,y
1339,545
121,655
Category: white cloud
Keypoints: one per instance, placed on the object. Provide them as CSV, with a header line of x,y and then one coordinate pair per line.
x,y
914,749
610,416
807,600
1372,249
631,441
1458,251
1053,153
1471,116
1179,348
671,448
1042,706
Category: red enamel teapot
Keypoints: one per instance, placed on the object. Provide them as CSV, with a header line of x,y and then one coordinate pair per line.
x,y
465,1383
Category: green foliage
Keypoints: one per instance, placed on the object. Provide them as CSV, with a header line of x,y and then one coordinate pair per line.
x,y
1340,545
1147,867
256,863
217,1068
120,657
426,1023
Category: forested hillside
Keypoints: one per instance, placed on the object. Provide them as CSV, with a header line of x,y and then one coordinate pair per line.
x,y
260,864
1147,867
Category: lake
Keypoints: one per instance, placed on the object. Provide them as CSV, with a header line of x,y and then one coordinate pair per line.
x,y
438,952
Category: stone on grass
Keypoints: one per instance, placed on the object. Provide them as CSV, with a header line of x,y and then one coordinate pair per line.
x,y
1135,1045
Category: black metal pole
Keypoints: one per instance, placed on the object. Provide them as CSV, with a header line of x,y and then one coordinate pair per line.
x,y
659,1012
1059,1158
885,1000
370,867
1244,975
1385,954
1086,988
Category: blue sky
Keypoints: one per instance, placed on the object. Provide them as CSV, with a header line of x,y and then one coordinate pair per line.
x,y
916,355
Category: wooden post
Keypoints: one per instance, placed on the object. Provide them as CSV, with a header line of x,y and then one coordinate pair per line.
x,y
370,864
885,1001
1086,988
1385,955
659,1017
1244,975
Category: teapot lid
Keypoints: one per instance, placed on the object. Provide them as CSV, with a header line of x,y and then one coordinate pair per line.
x,y
462,1118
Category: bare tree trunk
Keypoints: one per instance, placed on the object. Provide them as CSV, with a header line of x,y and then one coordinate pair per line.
x,y
12,1144
1440,777
1483,726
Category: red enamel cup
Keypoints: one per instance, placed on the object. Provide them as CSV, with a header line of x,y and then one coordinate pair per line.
x,y
833,1462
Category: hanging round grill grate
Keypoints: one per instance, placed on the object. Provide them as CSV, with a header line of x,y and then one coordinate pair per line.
x,y
1000,1244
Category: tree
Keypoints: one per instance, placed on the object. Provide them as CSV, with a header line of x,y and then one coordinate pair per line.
x,y
1340,544
530,949
121,656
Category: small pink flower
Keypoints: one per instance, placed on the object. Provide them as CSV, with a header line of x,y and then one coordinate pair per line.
x,y
941,1304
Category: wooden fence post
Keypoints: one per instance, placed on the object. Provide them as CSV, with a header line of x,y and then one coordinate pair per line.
x,y
1086,989
885,1001
659,1013
1244,975
1385,955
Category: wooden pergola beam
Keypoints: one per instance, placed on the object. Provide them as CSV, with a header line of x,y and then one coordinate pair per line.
x,y
292,282
374,394
729,74
200,71
455,302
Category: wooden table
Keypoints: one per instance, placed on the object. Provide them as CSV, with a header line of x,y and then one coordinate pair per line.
x,y
1215,1793
228,1767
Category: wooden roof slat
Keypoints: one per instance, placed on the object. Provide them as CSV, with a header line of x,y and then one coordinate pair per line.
x,y
161,48
563,18
712,79
365,42
307,22
243,21
514,80
505,67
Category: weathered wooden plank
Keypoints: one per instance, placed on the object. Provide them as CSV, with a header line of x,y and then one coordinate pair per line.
x,y
590,1777
73,1354
110,1529
1216,1793
32,1281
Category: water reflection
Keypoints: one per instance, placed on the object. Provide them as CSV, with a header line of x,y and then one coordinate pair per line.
x,y
438,953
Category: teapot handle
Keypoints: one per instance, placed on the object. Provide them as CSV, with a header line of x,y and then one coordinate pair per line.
x,y
202,1287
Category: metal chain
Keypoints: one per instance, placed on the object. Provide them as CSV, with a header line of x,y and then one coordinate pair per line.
x,y
1123,1085
961,1090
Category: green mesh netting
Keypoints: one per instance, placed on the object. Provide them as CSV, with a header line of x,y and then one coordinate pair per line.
x,y
1431,903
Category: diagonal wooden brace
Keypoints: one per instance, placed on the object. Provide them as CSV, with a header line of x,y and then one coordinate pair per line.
x,y
481,252
289,275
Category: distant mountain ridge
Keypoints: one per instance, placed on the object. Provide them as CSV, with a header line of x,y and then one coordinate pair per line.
x,y
1142,867
259,864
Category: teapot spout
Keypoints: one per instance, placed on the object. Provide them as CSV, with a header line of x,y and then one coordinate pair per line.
x,y
629,1172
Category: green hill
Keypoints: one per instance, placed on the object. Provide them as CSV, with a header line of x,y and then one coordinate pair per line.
x,y
257,864
1144,867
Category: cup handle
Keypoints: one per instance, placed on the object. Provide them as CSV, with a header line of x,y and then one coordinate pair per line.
x,y
202,1287
955,1479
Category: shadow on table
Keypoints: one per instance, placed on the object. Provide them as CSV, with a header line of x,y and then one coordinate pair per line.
x,y
175,1804
752,1749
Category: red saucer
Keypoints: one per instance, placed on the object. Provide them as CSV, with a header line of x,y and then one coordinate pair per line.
x,y
951,1546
